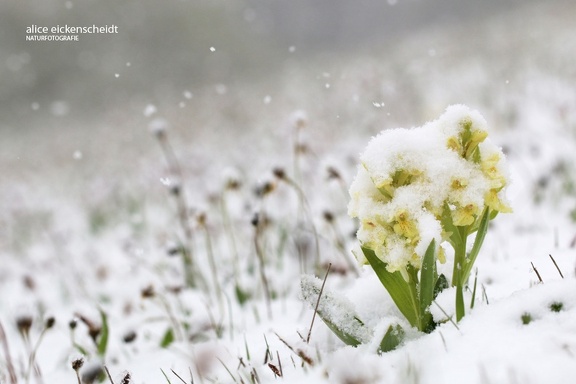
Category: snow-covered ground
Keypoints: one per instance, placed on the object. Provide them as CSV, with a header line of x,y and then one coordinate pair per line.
x,y
91,225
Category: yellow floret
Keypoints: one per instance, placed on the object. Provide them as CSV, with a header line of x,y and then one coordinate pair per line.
x,y
489,167
404,226
493,201
476,137
465,215
454,144
441,255
459,183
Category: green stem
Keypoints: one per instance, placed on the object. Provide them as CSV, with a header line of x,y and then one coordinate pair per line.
x,y
460,311
458,278
478,241
459,256
413,284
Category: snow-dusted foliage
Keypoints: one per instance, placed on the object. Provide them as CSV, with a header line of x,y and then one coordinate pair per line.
x,y
408,176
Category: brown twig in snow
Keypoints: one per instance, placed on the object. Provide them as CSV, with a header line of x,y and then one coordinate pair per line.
x,y
556,265
108,373
537,274
318,303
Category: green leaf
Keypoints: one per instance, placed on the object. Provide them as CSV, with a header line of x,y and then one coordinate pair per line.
x,y
441,284
241,295
103,340
392,339
482,229
428,276
401,291
168,338
346,337
336,312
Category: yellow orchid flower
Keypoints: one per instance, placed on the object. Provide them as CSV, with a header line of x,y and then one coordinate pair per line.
x,y
465,215
404,226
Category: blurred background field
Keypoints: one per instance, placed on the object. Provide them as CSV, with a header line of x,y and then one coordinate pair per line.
x,y
227,76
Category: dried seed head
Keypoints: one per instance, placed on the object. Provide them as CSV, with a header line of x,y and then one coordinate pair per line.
x,y
265,189
279,173
126,378
333,173
94,332
175,188
328,216
255,219
233,184
260,220
201,219
232,179
173,249
299,119
77,364
24,323
301,148
148,292
158,127
50,321
29,282
129,337
93,329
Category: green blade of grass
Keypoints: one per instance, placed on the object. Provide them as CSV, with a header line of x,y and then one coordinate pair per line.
x,y
103,340
168,338
392,339
474,290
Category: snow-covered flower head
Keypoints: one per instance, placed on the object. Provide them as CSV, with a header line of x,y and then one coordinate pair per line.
x,y
411,182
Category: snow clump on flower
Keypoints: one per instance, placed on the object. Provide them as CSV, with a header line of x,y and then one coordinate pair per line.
x,y
412,182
